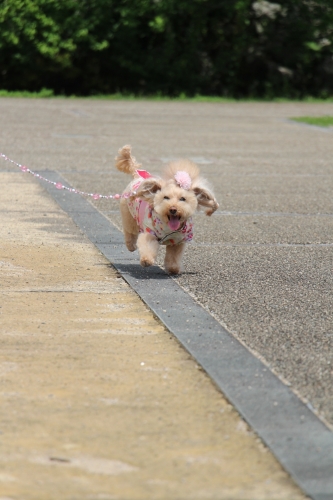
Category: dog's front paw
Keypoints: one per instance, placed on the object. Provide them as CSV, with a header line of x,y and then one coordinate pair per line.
x,y
146,262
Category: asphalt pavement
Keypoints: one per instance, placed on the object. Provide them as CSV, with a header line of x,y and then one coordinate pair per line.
x,y
262,265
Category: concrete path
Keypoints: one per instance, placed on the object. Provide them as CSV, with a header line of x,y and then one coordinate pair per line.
x,y
262,265
98,401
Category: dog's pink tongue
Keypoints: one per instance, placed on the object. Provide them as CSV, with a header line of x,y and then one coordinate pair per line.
x,y
173,223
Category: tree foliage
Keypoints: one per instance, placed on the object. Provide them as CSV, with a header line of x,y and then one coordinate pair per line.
x,y
214,47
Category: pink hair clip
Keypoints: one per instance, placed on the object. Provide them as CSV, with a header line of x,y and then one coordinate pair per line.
x,y
183,179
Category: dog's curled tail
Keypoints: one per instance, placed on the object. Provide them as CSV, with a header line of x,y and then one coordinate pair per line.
x,y
125,162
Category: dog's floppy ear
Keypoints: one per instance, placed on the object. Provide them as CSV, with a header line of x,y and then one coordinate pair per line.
x,y
205,198
148,188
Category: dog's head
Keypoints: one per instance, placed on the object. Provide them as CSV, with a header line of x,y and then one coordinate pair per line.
x,y
178,194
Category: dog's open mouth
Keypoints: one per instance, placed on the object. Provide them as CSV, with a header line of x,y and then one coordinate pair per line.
x,y
174,222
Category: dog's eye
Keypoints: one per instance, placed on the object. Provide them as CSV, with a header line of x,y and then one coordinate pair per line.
x,y
166,198
182,199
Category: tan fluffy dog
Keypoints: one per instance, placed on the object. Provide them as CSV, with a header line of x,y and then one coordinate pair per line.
x,y
158,211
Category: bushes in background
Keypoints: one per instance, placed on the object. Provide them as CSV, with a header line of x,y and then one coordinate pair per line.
x,y
237,48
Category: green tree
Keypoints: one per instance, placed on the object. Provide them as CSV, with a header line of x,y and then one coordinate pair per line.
x,y
217,47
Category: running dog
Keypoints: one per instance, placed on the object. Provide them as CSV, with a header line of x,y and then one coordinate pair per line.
x,y
158,210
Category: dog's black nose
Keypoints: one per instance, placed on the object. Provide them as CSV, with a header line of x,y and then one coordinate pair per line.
x,y
173,211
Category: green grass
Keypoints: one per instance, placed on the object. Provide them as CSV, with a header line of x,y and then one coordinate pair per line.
x,y
160,97
26,93
49,93
320,121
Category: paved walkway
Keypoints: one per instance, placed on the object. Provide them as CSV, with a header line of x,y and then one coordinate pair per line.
x,y
263,264
98,401
91,420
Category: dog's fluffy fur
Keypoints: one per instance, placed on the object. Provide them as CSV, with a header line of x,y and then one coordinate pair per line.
x,y
168,201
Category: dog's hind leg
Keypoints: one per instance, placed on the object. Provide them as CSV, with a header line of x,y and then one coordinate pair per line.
x,y
173,257
148,248
130,227
130,241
